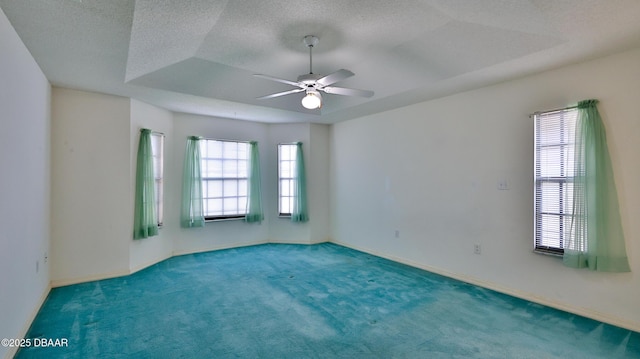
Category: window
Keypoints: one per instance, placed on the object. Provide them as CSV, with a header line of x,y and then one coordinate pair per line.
x,y
286,178
224,169
554,167
157,149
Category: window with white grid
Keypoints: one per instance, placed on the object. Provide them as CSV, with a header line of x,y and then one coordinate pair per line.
x,y
157,150
224,170
554,173
286,177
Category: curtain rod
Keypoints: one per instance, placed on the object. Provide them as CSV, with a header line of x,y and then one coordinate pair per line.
x,y
152,131
554,110
223,140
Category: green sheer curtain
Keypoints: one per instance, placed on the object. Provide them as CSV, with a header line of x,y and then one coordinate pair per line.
x,y
145,222
597,239
299,212
254,200
192,212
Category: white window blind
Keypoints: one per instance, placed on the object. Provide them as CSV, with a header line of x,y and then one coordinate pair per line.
x,y
286,178
554,167
157,149
224,169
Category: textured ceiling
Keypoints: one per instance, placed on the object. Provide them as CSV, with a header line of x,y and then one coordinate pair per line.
x,y
199,56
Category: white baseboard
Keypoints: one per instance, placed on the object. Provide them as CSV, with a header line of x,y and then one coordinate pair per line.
x,y
91,278
95,277
148,264
217,248
585,312
23,332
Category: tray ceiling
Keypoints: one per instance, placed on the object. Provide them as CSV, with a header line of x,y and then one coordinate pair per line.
x,y
199,56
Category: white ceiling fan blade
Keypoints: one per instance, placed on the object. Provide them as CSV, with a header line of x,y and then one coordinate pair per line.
x,y
266,77
335,77
347,91
280,94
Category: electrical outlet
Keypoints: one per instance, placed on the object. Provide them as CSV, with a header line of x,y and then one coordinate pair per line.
x,y
46,257
477,249
397,233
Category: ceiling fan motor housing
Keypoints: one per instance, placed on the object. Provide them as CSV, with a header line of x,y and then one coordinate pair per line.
x,y
309,79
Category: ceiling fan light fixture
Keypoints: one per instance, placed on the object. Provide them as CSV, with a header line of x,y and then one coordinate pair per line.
x,y
312,100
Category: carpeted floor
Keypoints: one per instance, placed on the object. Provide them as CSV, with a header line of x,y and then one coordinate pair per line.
x,y
298,301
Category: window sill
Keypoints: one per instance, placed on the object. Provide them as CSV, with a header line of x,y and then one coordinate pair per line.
x,y
223,219
548,253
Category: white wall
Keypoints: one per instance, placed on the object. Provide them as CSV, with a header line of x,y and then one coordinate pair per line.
x,y
430,170
91,186
147,251
317,166
24,185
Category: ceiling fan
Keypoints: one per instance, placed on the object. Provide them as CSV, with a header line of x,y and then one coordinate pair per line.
x,y
312,84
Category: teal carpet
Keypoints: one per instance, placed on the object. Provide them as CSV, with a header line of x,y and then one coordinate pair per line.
x,y
297,301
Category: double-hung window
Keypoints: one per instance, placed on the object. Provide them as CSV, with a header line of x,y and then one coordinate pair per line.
x,y
157,150
286,178
554,173
224,167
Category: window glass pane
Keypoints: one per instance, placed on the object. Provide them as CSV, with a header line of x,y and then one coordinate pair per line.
x,y
230,188
243,168
230,168
214,149
285,205
242,187
549,197
285,169
285,154
242,205
549,159
159,200
158,191
214,206
551,230
285,188
213,188
157,168
229,149
243,151
212,168
230,205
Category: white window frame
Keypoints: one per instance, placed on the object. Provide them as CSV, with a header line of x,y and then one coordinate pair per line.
x,y
554,148
157,150
286,178
224,178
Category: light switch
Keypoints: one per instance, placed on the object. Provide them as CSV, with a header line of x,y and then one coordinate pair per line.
x,y
503,184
